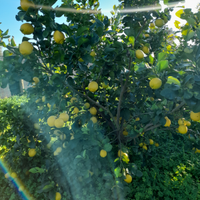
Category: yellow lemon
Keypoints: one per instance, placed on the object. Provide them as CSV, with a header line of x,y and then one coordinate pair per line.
x,y
93,86
86,105
25,48
49,145
128,178
93,111
104,85
58,37
137,119
187,123
64,117
76,110
25,4
151,142
125,133
32,152
26,29
93,119
182,129
159,22
103,153
139,54
168,122
197,150
62,137
194,116
155,83
141,144
156,144
146,35
181,121
58,196
51,121
93,54
145,49
144,147
80,60
59,149
36,80
73,99
152,25
120,153
59,123
151,98
36,126
13,175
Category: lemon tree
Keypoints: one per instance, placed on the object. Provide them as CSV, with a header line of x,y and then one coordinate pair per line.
x,y
111,88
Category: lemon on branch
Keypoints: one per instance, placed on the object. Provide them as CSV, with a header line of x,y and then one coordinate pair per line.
x,y
36,126
93,111
25,4
139,54
155,83
13,175
51,121
128,178
159,22
104,85
156,144
168,122
26,29
144,147
93,119
103,153
181,121
151,142
182,129
64,117
25,48
58,37
58,196
86,105
93,54
125,133
145,49
187,123
36,80
59,123
32,152
93,86
194,116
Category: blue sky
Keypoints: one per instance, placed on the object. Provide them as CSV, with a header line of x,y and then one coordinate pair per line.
x,y
9,11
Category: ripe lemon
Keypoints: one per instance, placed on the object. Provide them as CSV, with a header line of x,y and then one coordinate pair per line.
x,y
145,49
32,152
152,25
181,121
80,60
151,142
36,126
13,175
59,123
76,110
25,4
128,178
36,80
168,122
197,150
51,121
58,37
64,117
86,105
104,85
93,86
48,105
58,196
141,144
156,144
25,48
59,149
187,123
93,119
155,83
182,129
26,29
146,35
144,147
93,111
194,116
6,175
137,119
125,133
159,22
73,99
103,153
93,54
120,152
139,54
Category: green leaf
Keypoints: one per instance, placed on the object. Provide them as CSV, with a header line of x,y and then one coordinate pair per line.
x,y
107,147
138,173
187,94
174,80
191,21
166,1
190,35
36,170
151,59
131,39
107,176
51,185
162,56
117,172
82,41
197,95
81,30
163,64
